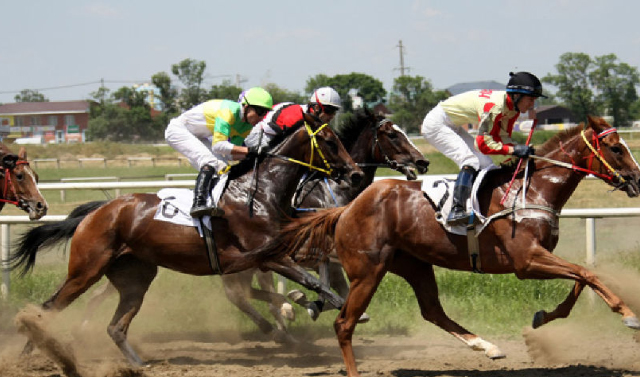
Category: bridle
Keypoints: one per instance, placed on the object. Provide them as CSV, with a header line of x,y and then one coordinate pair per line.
x,y
6,188
596,153
328,170
393,164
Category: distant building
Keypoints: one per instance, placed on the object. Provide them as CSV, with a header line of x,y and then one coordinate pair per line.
x,y
55,122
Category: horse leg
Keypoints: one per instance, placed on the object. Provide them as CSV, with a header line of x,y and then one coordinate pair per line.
x,y
562,310
279,307
131,277
237,287
421,277
287,268
365,276
541,264
97,297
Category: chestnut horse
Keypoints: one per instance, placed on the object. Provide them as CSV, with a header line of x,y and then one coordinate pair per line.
x,y
392,226
372,141
19,183
121,239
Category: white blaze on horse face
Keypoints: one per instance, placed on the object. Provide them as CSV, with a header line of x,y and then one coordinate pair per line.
x,y
397,128
630,154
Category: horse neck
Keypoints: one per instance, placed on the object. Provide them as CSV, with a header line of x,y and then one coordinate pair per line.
x,y
362,152
555,184
277,179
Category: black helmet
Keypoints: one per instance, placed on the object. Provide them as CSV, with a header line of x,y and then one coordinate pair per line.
x,y
525,83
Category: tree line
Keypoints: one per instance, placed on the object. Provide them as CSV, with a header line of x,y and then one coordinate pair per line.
x,y
602,85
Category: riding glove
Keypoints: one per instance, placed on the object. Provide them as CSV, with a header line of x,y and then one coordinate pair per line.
x,y
257,151
523,150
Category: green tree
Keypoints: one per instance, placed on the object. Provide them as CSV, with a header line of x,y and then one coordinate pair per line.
x,y
280,95
370,88
411,99
29,95
168,93
224,91
573,84
125,117
190,72
596,86
616,86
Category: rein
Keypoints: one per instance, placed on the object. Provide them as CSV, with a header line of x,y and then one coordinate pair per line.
x,y
595,152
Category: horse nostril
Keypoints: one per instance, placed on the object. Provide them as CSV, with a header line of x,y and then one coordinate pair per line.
x,y
356,178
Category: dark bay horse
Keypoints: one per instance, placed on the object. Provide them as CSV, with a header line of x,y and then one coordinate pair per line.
x,y
121,239
372,141
19,183
392,227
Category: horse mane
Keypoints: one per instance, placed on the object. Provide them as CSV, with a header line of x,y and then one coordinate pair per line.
x,y
553,142
349,130
245,165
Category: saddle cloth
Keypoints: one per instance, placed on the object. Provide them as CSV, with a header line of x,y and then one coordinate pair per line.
x,y
440,190
175,205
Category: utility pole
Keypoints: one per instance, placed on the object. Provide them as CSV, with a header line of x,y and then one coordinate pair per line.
x,y
402,67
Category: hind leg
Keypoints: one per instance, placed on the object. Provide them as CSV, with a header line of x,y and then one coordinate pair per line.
x,y
238,288
131,277
420,276
98,296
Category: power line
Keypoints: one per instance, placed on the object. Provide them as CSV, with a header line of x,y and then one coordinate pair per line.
x,y
76,85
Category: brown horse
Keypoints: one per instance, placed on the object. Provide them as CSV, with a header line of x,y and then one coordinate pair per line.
x,y
392,226
121,239
372,141
19,183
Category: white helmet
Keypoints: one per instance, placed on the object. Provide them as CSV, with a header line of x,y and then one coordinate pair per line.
x,y
326,96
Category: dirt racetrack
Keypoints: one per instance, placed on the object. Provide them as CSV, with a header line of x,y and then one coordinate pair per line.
x,y
567,350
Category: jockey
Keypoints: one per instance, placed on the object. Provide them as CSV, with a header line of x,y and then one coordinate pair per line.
x,y
324,104
494,112
211,135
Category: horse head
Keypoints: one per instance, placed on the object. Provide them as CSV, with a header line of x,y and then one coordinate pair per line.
x,y
326,153
611,156
393,146
19,185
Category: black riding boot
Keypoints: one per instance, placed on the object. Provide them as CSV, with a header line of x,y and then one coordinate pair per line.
x,y
461,193
205,181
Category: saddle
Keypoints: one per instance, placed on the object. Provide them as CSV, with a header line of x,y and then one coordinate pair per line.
x,y
175,204
440,191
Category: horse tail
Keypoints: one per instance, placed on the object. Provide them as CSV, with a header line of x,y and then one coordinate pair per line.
x,y
305,238
48,234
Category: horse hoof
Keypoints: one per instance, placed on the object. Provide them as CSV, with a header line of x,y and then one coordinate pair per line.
x,y
538,319
494,353
298,297
287,312
282,337
364,318
313,310
631,322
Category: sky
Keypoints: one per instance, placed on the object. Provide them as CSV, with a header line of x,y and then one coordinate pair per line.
x,y
64,48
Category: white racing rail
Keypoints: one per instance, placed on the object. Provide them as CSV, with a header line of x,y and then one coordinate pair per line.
x,y
590,214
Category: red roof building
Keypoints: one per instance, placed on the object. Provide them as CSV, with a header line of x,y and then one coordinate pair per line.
x,y
55,122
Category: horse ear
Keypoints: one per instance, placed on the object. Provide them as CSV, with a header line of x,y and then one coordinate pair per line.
x,y
22,153
598,124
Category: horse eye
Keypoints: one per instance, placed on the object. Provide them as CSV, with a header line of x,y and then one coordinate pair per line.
x,y
333,147
392,135
19,176
616,149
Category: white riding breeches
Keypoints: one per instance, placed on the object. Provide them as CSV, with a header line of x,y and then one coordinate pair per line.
x,y
452,141
196,150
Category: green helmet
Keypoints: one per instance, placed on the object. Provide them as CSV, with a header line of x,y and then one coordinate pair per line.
x,y
256,96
